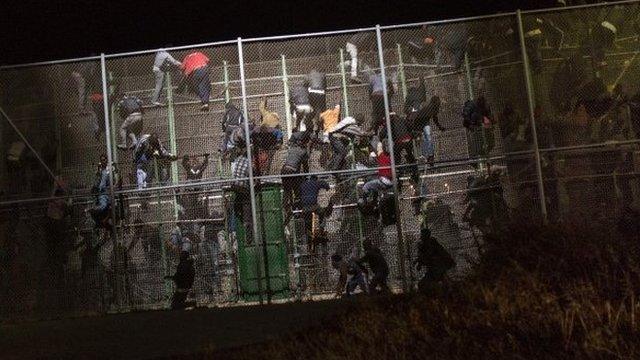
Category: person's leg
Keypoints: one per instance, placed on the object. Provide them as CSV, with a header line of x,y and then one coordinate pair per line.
x,y
124,129
82,93
428,148
141,178
204,86
159,75
353,53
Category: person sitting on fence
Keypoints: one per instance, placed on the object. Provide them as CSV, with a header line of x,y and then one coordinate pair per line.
x,y
193,168
162,64
301,106
351,276
296,162
183,278
317,98
309,190
147,149
375,259
232,120
130,110
269,118
435,258
195,70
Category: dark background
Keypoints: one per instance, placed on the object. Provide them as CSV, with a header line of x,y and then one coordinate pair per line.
x,y
49,30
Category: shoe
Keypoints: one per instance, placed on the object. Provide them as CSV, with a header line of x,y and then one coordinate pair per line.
x,y
204,107
156,103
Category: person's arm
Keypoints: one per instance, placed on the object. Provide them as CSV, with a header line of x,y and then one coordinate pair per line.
x,y
342,280
202,166
305,162
263,108
173,60
436,121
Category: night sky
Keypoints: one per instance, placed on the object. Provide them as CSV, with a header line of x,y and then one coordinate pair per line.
x,y
49,30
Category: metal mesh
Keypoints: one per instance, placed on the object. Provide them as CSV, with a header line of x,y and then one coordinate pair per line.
x,y
103,237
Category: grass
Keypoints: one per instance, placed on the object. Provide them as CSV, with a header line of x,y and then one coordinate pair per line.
x,y
567,291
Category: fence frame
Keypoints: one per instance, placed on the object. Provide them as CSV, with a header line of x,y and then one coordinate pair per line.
x,y
262,265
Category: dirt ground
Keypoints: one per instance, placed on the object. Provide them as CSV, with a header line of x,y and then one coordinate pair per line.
x,y
154,334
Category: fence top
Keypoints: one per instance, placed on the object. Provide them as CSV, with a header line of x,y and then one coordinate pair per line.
x,y
322,33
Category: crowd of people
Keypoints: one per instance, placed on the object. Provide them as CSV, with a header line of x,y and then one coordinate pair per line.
x,y
359,142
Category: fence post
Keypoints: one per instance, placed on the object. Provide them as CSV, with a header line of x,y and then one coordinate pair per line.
x,y
403,78
113,116
252,192
112,198
227,94
345,93
393,160
287,106
531,103
172,128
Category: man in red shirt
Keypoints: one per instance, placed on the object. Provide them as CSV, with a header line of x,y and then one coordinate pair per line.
x,y
196,73
383,181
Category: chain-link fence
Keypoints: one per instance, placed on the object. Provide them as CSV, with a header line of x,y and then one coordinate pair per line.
x,y
278,169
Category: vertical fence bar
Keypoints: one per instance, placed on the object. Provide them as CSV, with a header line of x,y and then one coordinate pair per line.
x,y
172,128
252,192
345,93
285,86
394,174
112,112
403,78
227,93
107,135
531,103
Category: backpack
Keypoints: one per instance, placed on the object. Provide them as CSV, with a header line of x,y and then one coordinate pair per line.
x,y
470,115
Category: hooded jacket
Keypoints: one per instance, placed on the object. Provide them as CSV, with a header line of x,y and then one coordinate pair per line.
x,y
232,116
317,81
299,95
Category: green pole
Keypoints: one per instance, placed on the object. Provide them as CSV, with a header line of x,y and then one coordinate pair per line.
x,y
285,85
403,79
345,96
172,140
163,248
227,94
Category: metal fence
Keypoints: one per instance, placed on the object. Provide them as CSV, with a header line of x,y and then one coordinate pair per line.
x,y
537,118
